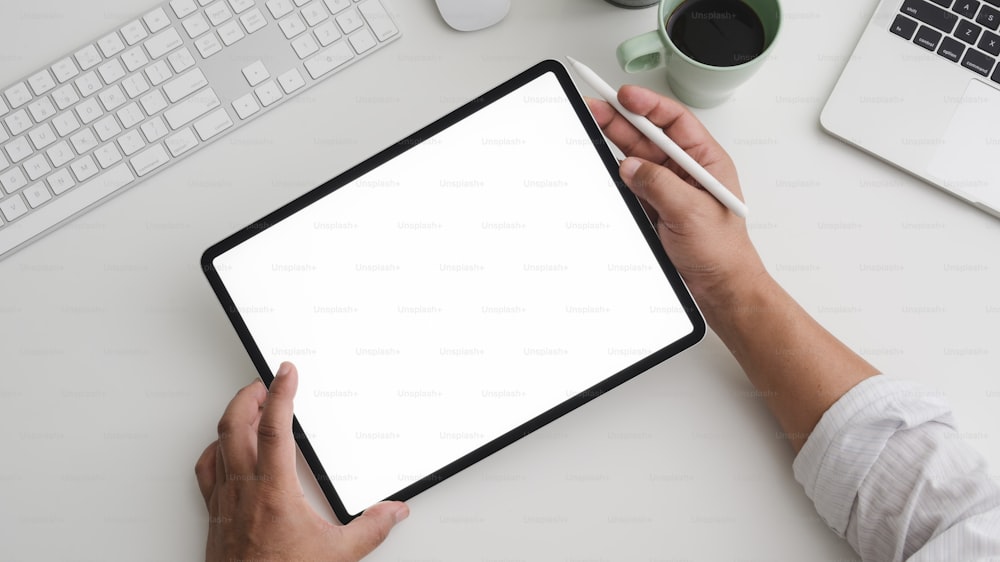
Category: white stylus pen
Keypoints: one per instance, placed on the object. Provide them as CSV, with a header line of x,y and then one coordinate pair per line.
x,y
660,139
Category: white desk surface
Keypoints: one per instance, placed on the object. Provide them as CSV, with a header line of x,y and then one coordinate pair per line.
x,y
117,360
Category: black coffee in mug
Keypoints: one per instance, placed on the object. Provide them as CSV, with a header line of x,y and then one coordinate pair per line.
x,y
716,32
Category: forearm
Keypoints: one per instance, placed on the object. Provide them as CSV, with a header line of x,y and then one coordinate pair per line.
x,y
796,365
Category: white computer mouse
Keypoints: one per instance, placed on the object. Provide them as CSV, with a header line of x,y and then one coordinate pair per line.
x,y
471,15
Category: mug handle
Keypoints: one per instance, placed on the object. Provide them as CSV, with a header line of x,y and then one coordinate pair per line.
x,y
643,52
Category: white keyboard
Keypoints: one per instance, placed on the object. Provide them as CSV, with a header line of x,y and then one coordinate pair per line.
x,y
158,88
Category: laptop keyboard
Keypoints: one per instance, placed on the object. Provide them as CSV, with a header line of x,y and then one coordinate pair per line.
x,y
962,31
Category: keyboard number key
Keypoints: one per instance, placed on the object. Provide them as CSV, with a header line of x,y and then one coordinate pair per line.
x,y
337,5
13,207
279,8
64,70
41,82
349,21
17,95
314,13
65,96
18,122
42,109
304,46
327,33
362,41
292,26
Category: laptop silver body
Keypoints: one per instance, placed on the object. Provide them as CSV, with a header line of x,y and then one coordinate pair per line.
x,y
930,109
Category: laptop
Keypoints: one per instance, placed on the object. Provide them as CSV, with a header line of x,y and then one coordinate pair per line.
x,y
922,92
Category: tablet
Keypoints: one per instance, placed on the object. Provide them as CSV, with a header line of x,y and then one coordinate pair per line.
x,y
455,292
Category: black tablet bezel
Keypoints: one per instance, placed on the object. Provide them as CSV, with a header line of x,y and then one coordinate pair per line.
x,y
599,144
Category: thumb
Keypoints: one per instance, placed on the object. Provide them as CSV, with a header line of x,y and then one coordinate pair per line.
x,y
372,527
669,195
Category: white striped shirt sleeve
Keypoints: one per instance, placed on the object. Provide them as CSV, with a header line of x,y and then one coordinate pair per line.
x,y
887,470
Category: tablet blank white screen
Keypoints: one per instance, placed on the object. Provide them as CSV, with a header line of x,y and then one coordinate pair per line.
x,y
459,290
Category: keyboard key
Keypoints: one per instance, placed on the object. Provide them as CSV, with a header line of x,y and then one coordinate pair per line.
x,y
107,155
337,5
60,181
989,17
930,14
990,43
3,109
84,168
36,167
381,23
18,122
191,108
17,95
968,32
181,59
268,93
245,106
240,6
42,109
154,129
64,70
65,96
279,8
88,84
134,59
42,136
133,32
213,124
3,162
149,160
966,8
130,143
183,8
41,82
253,20
89,110
111,71
36,195
161,44
195,25
944,3
156,20
84,141
304,46
327,33
153,102
65,123
181,142
329,59
218,12
12,180
349,21
230,33
18,149
60,153
87,57
158,72
978,61
314,13
292,26
927,38
112,98
255,73
135,85
208,45
362,41
185,85
111,44
107,128
13,207
291,81
130,115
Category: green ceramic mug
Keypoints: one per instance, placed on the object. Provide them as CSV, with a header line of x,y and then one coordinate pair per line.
x,y
693,82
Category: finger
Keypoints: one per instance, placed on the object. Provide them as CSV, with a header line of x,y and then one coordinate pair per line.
x,y
672,198
275,444
366,532
204,471
237,438
622,133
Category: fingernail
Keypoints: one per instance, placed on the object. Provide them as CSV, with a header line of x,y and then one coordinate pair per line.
x,y
283,369
402,513
628,167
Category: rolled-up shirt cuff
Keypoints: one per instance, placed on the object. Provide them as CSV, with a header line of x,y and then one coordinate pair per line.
x,y
851,435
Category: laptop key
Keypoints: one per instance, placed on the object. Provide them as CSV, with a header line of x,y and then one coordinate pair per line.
x,y
903,26
990,43
990,17
946,3
966,8
968,32
927,38
930,14
978,61
951,49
